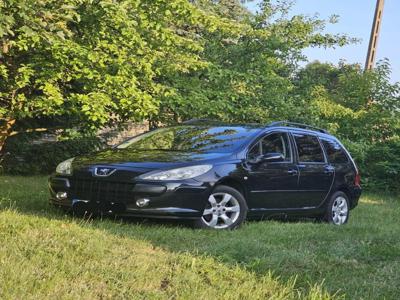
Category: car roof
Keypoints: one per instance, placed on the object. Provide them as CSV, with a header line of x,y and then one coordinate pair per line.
x,y
281,125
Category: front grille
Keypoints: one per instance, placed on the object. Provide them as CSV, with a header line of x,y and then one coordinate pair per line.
x,y
101,191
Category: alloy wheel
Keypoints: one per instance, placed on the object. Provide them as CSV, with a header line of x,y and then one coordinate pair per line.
x,y
222,211
340,211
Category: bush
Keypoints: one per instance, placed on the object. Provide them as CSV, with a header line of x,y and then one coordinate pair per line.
x,y
379,164
25,157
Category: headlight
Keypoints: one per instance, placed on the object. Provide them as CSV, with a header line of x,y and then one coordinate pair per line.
x,y
178,174
65,168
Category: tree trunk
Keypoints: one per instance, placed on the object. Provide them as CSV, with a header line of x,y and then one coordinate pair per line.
x,y
5,131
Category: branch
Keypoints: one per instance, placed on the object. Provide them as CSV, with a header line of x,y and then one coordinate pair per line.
x,y
34,130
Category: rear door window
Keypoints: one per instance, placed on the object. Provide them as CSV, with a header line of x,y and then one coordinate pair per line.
x,y
334,151
309,149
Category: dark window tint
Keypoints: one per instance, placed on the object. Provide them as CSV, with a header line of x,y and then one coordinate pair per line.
x,y
272,143
309,148
276,143
334,151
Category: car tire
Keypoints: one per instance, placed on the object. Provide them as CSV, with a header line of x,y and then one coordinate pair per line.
x,y
226,209
338,209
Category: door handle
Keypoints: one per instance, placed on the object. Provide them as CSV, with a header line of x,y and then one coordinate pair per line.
x,y
329,170
292,172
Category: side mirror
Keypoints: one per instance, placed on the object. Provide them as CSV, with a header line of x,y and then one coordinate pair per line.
x,y
269,157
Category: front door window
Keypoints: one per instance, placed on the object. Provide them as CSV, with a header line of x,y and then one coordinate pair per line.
x,y
277,143
272,143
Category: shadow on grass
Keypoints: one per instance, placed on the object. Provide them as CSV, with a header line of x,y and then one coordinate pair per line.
x,y
350,258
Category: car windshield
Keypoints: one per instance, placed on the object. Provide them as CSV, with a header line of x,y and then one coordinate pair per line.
x,y
191,138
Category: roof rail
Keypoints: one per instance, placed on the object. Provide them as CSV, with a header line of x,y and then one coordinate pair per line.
x,y
294,124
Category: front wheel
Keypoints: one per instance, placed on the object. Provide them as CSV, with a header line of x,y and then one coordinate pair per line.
x,y
337,212
226,209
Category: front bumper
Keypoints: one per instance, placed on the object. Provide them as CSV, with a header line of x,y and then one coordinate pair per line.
x,y
165,200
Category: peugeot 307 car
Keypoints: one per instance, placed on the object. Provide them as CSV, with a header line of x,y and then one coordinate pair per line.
x,y
215,174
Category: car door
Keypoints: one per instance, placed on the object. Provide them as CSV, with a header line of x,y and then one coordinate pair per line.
x,y
315,173
272,185
338,159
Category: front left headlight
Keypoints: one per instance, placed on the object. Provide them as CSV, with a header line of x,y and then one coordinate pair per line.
x,y
65,168
178,174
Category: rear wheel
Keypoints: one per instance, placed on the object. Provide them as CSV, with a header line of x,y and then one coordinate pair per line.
x,y
338,209
226,209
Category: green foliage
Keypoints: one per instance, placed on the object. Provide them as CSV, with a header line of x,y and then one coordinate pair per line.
x,y
104,62
97,61
247,77
27,158
379,164
362,108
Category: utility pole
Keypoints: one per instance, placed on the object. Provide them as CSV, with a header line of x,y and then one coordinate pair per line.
x,y
373,41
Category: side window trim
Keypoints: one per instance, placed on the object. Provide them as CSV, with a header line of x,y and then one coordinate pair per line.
x,y
297,150
294,146
258,144
323,151
264,135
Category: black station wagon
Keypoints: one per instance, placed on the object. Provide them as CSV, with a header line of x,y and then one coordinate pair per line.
x,y
216,174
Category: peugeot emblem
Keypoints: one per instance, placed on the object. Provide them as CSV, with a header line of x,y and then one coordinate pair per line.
x,y
103,172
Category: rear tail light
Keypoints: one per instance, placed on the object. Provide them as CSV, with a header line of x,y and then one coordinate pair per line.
x,y
357,179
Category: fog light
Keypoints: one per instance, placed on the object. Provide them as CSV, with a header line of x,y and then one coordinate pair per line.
x,y
142,202
61,195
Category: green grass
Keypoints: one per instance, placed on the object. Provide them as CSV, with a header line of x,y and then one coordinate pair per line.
x,y
46,254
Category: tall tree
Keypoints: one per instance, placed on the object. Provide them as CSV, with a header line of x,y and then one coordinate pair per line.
x,y
357,105
249,70
92,62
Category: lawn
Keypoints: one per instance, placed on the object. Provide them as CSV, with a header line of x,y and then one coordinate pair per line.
x,y
47,254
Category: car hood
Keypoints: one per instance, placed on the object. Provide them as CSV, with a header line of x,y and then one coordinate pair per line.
x,y
146,159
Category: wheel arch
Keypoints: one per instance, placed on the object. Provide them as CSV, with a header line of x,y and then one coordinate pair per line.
x,y
346,190
233,183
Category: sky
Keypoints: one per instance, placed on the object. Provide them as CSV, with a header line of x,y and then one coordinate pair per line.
x,y
356,18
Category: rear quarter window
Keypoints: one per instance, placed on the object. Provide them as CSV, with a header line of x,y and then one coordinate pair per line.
x,y
334,151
